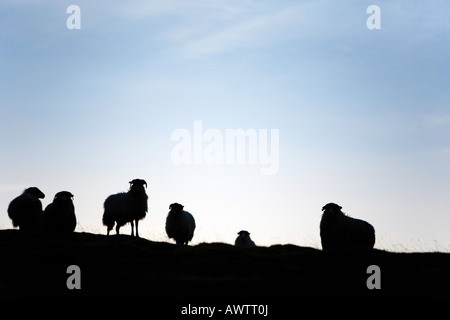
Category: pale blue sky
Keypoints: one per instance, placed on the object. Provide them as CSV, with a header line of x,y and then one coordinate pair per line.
x,y
363,115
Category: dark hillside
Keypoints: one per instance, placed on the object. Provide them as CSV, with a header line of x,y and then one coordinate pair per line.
x,y
34,266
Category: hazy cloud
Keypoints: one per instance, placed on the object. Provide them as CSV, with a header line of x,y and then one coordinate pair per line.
x,y
438,119
255,31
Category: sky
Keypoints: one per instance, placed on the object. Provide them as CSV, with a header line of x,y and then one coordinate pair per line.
x,y
333,110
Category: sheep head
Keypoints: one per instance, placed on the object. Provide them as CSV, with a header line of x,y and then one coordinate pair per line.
x,y
332,210
243,233
63,197
35,192
138,183
176,207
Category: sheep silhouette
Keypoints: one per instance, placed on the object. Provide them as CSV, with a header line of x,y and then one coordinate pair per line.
x,y
337,230
180,224
244,240
59,216
125,207
25,211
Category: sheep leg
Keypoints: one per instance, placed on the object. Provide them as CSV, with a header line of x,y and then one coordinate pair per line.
x,y
132,228
137,232
108,229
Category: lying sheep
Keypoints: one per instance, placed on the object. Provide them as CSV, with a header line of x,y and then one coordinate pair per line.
x,y
25,211
244,240
338,230
125,207
180,224
59,216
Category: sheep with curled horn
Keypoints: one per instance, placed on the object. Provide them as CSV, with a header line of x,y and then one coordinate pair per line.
x,y
124,207
337,230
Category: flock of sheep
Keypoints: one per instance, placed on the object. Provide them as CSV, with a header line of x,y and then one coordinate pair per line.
x,y
337,230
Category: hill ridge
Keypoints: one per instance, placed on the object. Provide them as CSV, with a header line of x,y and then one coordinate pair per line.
x,y
35,266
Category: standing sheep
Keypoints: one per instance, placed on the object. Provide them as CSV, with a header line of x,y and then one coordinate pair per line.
x,y
125,207
244,240
337,230
180,224
25,211
59,216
